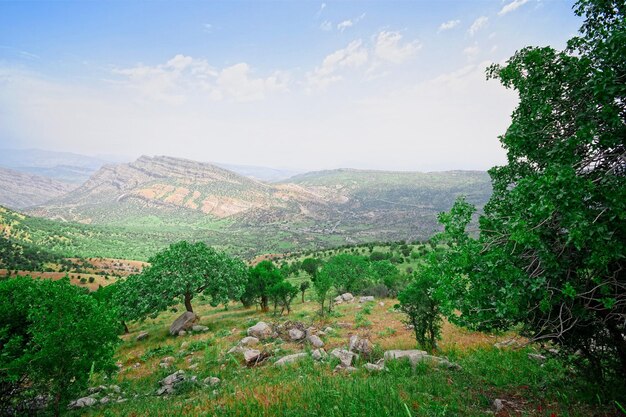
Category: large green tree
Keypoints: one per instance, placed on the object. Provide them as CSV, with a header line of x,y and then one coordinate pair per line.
x,y
52,335
552,246
176,275
349,273
261,278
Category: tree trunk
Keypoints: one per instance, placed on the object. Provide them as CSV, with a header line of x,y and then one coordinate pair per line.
x,y
264,304
188,298
620,343
126,331
302,297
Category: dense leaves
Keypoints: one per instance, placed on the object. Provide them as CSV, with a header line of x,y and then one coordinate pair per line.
x,y
52,334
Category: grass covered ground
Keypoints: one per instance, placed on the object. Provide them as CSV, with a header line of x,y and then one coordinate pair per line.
x,y
529,388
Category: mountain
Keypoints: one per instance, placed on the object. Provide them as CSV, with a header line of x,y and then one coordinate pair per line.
x,y
20,189
260,173
318,209
64,166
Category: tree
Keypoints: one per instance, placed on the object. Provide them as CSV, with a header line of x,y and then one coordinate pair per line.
x,y
304,285
386,273
311,266
550,256
422,310
322,286
52,335
282,294
349,273
261,279
176,275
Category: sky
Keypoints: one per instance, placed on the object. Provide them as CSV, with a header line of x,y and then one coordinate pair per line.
x,y
306,85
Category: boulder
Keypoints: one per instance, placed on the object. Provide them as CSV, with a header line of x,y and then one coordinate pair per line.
x,y
104,400
261,330
211,381
381,304
237,350
83,402
347,297
184,322
413,355
249,341
372,367
141,336
360,345
319,354
168,359
296,334
251,355
340,368
537,357
290,359
344,356
338,300
182,333
366,299
443,362
174,378
199,329
315,341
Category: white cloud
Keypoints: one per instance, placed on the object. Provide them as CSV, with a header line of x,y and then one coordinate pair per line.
x,y
184,76
326,26
514,5
348,23
352,56
388,47
478,24
471,51
449,25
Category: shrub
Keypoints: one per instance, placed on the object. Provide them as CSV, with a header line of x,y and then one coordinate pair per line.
x,y
422,311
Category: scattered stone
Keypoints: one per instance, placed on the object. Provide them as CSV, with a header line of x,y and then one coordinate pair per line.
x,y
443,362
261,330
290,359
507,343
174,378
537,357
184,345
372,367
184,322
199,329
104,400
211,381
237,350
319,354
360,345
141,336
95,390
136,365
381,304
249,341
344,356
338,300
251,355
413,355
83,402
115,388
164,365
347,297
328,329
194,366
296,334
498,405
366,299
340,368
315,341
168,359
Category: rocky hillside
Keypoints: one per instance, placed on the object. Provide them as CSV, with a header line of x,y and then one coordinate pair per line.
x,y
20,189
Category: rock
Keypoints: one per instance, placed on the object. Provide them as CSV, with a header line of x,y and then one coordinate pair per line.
x,y
184,345
115,388
414,355
498,405
340,368
182,333
372,367
165,390
347,297
366,298
261,330
168,359
94,390
338,300
83,402
174,378
104,400
237,349
251,355
164,365
211,381
319,354
184,322
344,356
443,362
381,304
194,366
360,345
537,357
328,329
507,343
296,334
199,329
141,336
249,341
315,341
290,359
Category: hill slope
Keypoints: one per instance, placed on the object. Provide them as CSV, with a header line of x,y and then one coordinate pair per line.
x,y
20,189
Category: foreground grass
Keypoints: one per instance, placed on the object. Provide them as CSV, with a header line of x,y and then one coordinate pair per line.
x,y
313,389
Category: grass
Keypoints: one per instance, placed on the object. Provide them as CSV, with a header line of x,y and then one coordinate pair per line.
x,y
313,389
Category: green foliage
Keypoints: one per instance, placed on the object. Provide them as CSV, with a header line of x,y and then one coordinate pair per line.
x,y
261,279
550,256
282,294
349,273
176,275
311,266
322,286
52,335
304,285
422,310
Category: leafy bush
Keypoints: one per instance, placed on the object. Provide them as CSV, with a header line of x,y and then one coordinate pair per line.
x,y
422,311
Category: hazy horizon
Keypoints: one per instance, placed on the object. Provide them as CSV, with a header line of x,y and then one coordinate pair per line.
x,y
302,86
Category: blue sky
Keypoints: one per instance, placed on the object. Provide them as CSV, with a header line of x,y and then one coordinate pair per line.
x,y
306,85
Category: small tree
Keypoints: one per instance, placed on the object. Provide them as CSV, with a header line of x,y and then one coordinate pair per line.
x,y
311,266
422,311
282,294
304,285
322,286
53,335
261,279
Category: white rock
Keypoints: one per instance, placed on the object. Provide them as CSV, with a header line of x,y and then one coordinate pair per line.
x,y
344,356
174,378
296,334
319,354
347,297
198,328
315,341
251,355
249,341
373,367
413,355
142,336
290,359
83,402
366,299
261,330
211,381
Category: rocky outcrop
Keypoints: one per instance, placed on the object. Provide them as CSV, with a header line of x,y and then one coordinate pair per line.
x,y
183,323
